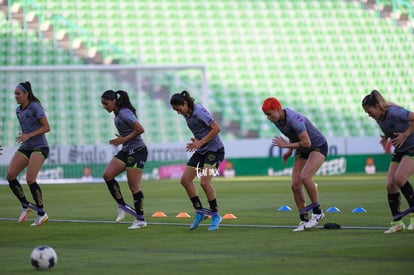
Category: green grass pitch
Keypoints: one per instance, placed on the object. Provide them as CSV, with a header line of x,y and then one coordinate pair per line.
x,y
259,241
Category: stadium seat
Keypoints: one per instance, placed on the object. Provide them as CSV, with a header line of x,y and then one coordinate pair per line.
x,y
320,57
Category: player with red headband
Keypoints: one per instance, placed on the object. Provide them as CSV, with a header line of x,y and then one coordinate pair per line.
x,y
311,150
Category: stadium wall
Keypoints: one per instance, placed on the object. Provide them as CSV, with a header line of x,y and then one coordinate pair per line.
x,y
167,160
334,165
270,166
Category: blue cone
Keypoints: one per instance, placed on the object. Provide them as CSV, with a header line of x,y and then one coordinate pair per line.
x,y
359,210
332,209
284,208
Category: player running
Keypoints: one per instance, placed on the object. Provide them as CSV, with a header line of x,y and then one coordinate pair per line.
x,y
397,124
131,157
311,150
208,154
32,153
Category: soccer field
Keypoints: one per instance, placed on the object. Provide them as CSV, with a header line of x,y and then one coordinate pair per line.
x,y
259,241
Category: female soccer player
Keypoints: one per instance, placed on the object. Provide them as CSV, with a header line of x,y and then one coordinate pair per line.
x,y
397,124
208,154
311,150
131,157
32,153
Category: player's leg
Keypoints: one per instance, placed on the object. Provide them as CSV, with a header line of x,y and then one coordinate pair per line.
x,y
114,168
36,160
212,162
205,182
404,170
208,188
135,167
394,199
18,162
315,161
298,193
187,182
134,176
402,174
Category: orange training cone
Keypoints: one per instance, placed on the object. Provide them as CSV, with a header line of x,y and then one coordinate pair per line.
x,y
229,216
183,215
159,215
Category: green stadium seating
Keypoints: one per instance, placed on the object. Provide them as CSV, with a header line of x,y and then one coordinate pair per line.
x,y
318,57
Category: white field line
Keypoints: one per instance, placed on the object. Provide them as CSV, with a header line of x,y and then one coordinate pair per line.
x,y
221,225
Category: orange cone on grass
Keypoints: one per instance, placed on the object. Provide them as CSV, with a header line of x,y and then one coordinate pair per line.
x,y
159,215
229,216
183,215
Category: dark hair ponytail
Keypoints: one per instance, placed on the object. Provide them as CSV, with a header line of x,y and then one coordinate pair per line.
x,y
28,89
122,99
180,98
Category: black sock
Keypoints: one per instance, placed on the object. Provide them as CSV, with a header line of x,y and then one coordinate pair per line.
x,y
213,205
196,202
18,191
115,191
37,196
394,201
317,210
408,193
304,217
139,204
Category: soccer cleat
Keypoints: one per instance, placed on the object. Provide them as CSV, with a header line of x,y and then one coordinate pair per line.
x,y
39,220
138,224
411,225
397,226
199,217
316,218
25,213
301,227
121,215
215,222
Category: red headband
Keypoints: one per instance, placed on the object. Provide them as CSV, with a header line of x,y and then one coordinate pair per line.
x,y
271,103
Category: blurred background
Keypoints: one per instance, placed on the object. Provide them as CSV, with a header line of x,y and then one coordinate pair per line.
x,y
319,57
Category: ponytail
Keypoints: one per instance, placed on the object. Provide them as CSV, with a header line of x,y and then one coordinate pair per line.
x,y
375,98
180,98
121,97
124,102
26,87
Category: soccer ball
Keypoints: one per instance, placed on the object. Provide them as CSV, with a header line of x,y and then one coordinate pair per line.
x,y
43,257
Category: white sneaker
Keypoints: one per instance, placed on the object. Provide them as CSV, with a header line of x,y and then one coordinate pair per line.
x,y
121,215
316,218
138,224
397,226
411,225
39,220
24,214
301,227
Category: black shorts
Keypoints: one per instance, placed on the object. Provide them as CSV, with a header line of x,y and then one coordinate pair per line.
x,y
133,158
44,151
397,157
323,149
210,158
